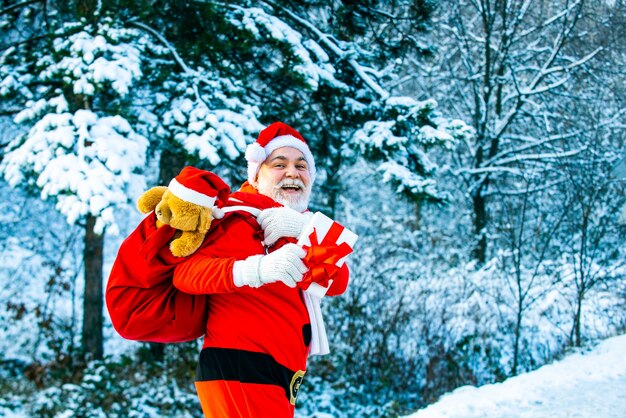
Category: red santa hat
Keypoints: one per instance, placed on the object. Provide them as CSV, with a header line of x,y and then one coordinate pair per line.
x,y
276,135
200,187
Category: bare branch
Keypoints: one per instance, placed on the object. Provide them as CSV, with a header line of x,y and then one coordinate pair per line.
x,y
488,169
541,188
551,70
542,156
12,7
166,43
550,20
25,41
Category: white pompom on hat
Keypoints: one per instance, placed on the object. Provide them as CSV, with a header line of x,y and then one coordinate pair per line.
x,y
200,187
276,135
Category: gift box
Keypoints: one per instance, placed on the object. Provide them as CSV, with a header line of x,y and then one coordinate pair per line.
x,y
328,244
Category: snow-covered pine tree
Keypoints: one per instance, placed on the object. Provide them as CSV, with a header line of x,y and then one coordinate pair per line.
x,y
327,76
400,142
80,148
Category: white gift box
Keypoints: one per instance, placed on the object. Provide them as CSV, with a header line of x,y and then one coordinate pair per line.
x,y
327,232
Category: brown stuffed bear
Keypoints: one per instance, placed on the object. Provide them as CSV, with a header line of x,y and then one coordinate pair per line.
x,y
189,204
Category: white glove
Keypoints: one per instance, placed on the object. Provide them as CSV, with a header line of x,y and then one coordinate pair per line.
x,y
282,222
284,264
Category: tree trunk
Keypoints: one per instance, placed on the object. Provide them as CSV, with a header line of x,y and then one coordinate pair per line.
x,y
87,9
518,335
331,191
93,298
157,350
170,164
417,222
480,222
332,187
577,319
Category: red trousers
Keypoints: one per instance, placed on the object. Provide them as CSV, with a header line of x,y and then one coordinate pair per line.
x,y
233,399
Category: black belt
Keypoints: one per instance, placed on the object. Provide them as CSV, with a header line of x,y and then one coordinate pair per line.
x,y
247,367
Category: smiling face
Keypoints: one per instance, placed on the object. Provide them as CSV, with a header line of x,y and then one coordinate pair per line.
x,y
284,176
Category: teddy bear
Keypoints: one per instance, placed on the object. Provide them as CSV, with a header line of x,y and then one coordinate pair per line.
x,y
189,204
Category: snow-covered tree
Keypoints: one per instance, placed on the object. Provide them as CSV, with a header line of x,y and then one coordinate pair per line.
x,y
539,82
295,63
400,141
79,149
501,65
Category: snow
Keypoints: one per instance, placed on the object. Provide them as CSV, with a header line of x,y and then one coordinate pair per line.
x,y
399,143
87,161
212,133
120,69
583,384
259,23
406,180
83,179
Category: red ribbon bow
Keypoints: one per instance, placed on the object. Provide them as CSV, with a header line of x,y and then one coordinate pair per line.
x,y
322,258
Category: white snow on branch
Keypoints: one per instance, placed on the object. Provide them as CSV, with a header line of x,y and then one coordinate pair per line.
x,y
406,181
314,68
377,136
14,78
85,162
328,42
92,62
539,156
212,133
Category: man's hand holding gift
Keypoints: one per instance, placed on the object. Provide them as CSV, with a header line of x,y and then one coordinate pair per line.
x,y
327,243
282,222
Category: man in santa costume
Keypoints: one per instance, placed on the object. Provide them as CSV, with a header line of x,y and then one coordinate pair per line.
x,y
241,289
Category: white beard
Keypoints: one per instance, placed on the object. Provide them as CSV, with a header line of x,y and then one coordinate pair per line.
x,y
298,202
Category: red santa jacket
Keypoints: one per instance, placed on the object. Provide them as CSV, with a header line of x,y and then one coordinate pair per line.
x,y
271,319
256,340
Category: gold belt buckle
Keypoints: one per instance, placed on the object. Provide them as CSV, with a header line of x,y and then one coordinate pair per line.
x,y
294,387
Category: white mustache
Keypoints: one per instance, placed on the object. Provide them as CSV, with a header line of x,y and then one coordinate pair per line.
x,y
295,182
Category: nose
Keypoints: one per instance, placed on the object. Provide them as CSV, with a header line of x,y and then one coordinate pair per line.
x,y
292,171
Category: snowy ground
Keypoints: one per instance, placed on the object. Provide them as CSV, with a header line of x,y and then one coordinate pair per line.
x,y
586,385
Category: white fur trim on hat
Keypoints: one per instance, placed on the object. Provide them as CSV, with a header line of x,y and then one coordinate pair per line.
x,y
190,195
255,154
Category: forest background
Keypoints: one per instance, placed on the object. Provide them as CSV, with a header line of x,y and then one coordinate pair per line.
x,y
473,145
